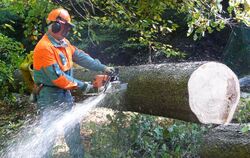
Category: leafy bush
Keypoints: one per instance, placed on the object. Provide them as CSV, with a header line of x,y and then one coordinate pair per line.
x,y
243,115
10,24
28,18
10,58
139,135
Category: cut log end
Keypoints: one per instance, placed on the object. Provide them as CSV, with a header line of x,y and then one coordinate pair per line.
x,y
214,93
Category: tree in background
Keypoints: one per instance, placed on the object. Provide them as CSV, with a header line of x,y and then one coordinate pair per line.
x,y
142,20
149,22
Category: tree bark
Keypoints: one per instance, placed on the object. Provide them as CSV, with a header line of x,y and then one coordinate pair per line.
x,y
165,89
226,141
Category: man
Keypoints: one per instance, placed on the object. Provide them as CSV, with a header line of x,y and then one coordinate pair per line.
x,y
53,61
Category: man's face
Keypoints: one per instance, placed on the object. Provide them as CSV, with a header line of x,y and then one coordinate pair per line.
x,y
65,29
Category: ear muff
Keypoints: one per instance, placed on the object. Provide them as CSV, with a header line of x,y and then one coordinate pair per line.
x,y
56,27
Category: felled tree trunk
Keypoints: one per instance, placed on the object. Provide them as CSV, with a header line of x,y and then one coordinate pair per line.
x,y
206,92
226,141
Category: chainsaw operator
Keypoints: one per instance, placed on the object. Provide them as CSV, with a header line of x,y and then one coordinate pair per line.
x,y
53,61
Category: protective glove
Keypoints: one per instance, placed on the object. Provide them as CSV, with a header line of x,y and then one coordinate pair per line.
x,y
109,69
87,87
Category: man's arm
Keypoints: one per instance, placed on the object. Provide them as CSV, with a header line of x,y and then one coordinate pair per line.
x,y
83,59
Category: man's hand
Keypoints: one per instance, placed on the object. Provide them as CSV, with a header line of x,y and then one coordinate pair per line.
x,y
87,87
109,69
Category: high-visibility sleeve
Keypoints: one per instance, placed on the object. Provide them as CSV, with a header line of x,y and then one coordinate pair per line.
x,y
61,79
45,64
83,59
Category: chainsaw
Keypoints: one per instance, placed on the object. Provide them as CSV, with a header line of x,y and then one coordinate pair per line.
x,y
105,83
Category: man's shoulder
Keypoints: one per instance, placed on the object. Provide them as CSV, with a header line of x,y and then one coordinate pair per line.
x,y
44,43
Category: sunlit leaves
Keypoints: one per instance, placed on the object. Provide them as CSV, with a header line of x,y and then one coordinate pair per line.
x,y
5,26
245,128
206,16
145,17
241,9
35,19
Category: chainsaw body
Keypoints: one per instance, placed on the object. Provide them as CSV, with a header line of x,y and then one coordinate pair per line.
x,y
99,81
103,82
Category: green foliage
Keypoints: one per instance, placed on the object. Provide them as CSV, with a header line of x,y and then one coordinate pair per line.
x,y
142,21
137,135
245,128
33,14
10,58
149,22
243,112
207,16
35,20
240,10
8,23
203,16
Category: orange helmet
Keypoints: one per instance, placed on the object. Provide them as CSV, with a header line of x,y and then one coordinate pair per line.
x,y
60,13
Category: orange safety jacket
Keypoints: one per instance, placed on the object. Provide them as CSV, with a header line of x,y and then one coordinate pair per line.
x,y
53,62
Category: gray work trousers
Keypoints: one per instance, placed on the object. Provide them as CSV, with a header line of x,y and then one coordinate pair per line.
x,y
59,100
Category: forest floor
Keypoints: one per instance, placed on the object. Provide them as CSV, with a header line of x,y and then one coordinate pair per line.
x,y
97,116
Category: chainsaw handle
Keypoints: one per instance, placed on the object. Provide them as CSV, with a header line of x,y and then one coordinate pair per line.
x,y
106,83
113,73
